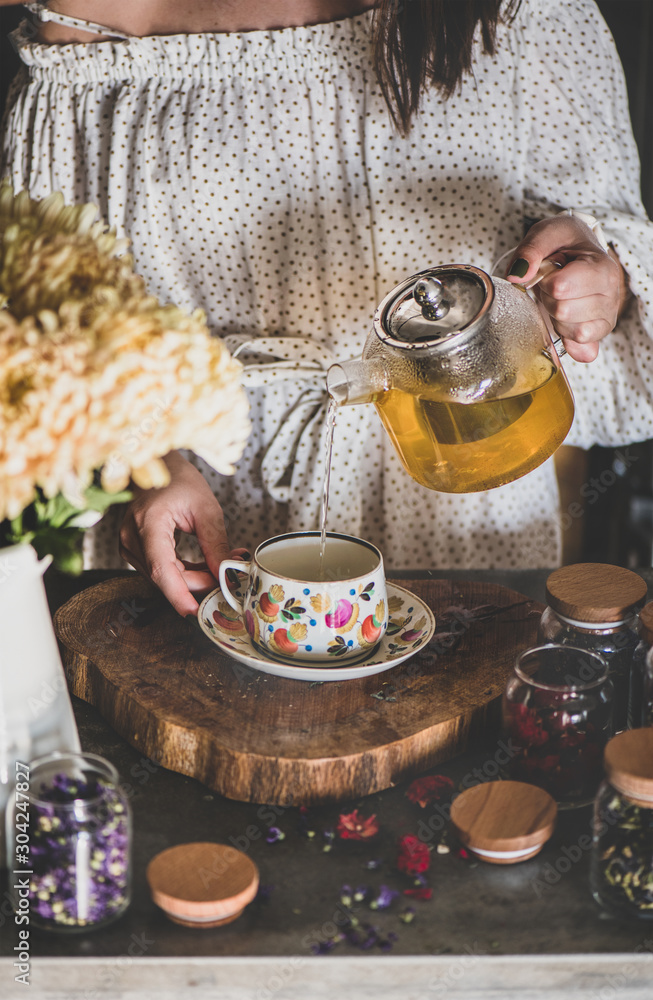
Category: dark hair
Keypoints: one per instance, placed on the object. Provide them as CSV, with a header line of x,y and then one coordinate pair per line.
x,y
422,42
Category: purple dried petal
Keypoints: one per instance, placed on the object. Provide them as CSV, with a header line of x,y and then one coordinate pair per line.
x,y
346,895
384,898
274,835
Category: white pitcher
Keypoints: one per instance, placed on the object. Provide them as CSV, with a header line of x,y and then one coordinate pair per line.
x,y
36,715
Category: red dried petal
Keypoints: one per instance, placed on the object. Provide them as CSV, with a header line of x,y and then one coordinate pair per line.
x,y
352,826
425,791
414,856
419,893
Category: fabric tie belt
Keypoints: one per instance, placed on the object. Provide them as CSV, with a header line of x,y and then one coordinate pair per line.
x,y
293,459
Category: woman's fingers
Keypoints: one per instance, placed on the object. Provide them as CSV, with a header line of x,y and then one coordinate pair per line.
x,y
211,534
158,562
584,296
148,542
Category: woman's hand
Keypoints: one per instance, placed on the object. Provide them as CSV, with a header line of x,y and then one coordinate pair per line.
x,y
147,535
585,297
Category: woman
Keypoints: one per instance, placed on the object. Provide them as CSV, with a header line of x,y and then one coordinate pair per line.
x,y
284,166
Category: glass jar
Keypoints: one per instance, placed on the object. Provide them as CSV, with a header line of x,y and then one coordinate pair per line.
x,y
69,829
621,870
557,714
640,701
594,606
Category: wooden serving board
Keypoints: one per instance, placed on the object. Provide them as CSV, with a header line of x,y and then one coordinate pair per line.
x,y
170,692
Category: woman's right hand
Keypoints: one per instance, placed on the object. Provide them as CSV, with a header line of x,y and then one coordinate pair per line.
x,y
147,534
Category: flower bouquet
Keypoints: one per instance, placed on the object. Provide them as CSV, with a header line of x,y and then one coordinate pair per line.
x,y
98,379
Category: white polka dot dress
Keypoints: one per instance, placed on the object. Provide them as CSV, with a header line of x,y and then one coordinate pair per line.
x,y
259,176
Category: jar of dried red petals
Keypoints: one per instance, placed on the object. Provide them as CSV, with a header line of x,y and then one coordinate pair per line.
x,y
594,606
557,715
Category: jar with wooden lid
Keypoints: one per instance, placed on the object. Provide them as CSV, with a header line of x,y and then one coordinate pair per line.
x,y
640,700
622,848
594,606
557,718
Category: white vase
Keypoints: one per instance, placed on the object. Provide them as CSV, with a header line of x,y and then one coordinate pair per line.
x,y
36,715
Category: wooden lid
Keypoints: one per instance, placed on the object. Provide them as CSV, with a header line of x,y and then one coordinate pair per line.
x,y
202,884
504,821
594,592
646,623
628,760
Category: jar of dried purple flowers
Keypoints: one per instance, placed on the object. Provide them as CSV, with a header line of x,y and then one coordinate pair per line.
x,y
70,831
622,850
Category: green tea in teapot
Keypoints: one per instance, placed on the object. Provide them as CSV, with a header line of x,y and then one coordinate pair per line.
x,y
457,447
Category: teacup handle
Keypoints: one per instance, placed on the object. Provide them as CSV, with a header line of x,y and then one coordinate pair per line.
x,y
224,586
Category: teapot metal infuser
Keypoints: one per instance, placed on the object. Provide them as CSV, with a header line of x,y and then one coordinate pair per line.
x,y
465,377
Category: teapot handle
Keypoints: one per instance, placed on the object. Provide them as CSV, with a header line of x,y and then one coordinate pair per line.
x,y
548,267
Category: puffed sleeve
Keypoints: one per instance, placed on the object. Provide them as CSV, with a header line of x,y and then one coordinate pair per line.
x,y
581,154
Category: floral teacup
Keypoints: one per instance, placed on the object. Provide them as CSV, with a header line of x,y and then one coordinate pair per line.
x,y
297,610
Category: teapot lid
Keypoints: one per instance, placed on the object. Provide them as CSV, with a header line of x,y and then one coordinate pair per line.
x,y
434,305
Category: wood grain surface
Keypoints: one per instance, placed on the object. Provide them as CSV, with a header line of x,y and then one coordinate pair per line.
x,y
254,737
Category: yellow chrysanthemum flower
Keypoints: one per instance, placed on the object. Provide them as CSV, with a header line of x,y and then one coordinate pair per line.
x,y
95,374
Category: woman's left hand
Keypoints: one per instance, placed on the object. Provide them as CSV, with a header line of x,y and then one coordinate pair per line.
x,y
585,297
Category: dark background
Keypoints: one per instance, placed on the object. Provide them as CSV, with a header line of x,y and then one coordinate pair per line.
x,y
618,527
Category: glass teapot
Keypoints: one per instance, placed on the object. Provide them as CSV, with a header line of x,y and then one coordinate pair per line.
x,y
465,377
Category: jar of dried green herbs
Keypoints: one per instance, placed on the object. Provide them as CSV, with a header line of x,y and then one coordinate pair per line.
x,y
622,856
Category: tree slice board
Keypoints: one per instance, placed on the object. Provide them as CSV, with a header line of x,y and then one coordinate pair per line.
x,y
172,694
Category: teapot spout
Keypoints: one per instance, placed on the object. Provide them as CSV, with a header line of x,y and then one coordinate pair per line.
x,y
351,382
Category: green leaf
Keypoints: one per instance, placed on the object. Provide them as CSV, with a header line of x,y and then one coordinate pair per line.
x,y
98,499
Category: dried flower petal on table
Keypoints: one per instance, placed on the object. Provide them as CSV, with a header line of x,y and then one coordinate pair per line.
x,y
274,835
329,837
352,826
432,788
424,893
414,856
384,898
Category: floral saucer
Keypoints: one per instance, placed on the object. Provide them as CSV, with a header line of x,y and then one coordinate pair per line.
x,y
411,625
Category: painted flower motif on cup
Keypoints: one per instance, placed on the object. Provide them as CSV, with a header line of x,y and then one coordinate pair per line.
x,y
372,626
269,604
227,619
286,642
